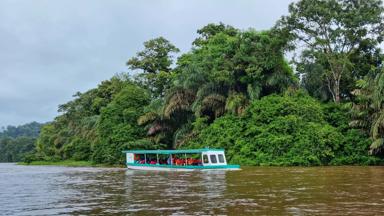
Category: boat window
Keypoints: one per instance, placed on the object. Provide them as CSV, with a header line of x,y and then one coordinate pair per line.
x,y
205,158
221,158
213,158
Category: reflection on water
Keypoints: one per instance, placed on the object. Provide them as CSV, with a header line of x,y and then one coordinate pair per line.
x,y
48,190
173,192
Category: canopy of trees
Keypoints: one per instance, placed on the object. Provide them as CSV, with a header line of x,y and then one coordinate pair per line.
x,y
97,124
287,130
17,142
234,89
335,34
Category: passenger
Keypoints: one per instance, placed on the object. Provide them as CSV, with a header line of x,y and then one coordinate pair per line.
x,y
169,160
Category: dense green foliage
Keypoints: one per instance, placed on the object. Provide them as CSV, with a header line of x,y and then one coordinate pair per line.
x,y
226,69
17,142
118,124
234,89
368,111
96,125
27,130
339,40
287,130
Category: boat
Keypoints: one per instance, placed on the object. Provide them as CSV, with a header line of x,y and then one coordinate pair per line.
x,y
178,160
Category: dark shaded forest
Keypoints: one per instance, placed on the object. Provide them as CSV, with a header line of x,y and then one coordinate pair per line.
x,y
17,142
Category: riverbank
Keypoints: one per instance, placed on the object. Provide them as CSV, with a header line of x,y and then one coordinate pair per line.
x,y
68,163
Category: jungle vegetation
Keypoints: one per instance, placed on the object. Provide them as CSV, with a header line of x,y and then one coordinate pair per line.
x,y
235,89
17,142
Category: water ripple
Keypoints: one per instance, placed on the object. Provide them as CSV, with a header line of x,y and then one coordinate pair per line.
x,y
48,190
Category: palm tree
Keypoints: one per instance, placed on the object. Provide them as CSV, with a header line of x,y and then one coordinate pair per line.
x,y
210,100
177,100
368,112
183,134
154,121
377,128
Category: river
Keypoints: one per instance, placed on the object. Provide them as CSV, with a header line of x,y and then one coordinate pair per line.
x,y
51,190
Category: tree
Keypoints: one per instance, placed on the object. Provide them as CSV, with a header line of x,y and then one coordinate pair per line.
x,y
74,134
17,141
168,120
155,61
224,71
158,127
247,64
332,31
368,110
28,130
293,129
211,30
118,127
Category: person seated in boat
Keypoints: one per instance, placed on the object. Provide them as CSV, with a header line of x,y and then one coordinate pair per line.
x,y
153,162
190,161
195,162
169,160
179,162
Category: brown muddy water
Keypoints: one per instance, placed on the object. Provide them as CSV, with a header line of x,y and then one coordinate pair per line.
x,y
50,190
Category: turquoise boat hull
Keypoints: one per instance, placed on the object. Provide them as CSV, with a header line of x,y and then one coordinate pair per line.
x,y
180,168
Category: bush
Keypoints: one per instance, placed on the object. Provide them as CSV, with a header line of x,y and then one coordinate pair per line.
x,y
287,130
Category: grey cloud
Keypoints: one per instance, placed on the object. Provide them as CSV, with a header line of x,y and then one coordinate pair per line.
x,y
51,49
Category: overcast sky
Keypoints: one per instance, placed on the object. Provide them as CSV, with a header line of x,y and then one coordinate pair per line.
x,y
51,49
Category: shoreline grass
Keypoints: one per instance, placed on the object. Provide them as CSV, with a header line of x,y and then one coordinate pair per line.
x,y
68,163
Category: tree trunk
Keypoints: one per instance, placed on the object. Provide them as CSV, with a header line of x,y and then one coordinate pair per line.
x,y
336,91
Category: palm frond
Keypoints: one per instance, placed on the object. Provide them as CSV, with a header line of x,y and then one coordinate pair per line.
x,y
158,127
377,146
211,88
147,118
378,125
254,90
180,100
181,134
205,91
214,103
368,110
155,106
195,79
236,103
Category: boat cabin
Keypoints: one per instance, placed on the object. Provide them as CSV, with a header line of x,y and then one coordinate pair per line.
x,y
180,159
